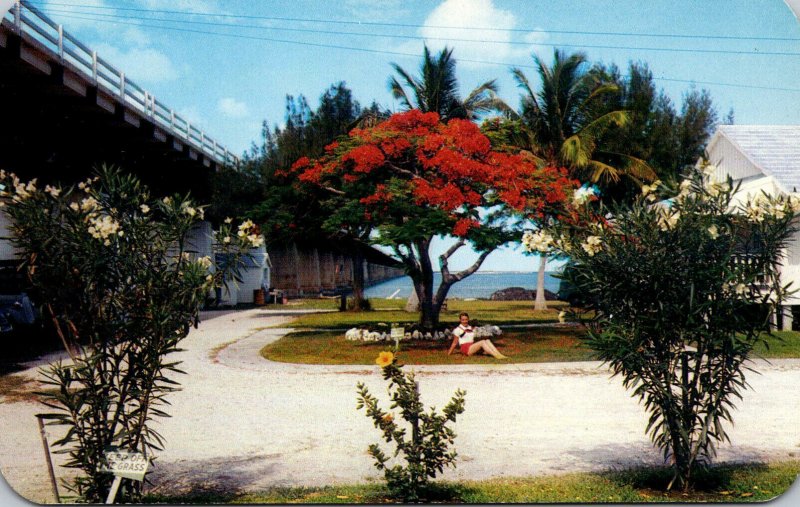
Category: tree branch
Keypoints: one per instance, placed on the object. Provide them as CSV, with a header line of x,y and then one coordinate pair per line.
x,y
470,270
403,171
448,281
333,190
445,256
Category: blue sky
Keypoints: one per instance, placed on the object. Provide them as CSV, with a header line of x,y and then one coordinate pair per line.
x,y
228,84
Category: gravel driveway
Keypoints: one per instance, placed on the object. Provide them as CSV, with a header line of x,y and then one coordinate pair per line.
x,y
243,423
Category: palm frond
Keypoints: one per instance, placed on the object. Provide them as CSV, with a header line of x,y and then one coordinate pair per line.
x,y
600,170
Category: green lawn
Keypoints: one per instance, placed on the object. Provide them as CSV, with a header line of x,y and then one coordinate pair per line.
x,y
552,344
727,483
391,310
785,344
533,345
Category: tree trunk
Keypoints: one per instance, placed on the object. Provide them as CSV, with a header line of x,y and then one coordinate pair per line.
x,y
358,279
541,302
428,310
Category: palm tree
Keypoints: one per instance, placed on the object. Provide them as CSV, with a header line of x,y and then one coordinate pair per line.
x,y
436,89
567,118
564,123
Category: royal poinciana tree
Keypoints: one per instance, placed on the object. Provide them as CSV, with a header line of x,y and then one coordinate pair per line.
x,y
413,177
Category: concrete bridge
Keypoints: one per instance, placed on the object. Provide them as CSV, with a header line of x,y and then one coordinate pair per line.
x,y
66,109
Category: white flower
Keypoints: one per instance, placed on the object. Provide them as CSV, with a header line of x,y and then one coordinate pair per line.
x,y
741,289
757,209
247,224
583,195
145,208
226,239
204,261
74,206
714,189
185,256
209,278
713,232
592,245
228,220
647,190
666,222
189,211
53,191
89,204
794,202
23,191
539,241
103,228
709,170
167,200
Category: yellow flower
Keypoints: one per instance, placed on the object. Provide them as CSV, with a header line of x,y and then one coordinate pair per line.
x,y
384,359
388,418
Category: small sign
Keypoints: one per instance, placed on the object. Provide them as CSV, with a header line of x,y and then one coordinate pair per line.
x,y
130,465
397,333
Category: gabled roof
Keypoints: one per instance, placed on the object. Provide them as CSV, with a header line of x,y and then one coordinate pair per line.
x,y
774,149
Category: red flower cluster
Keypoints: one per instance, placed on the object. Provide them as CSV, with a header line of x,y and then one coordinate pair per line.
x,y
365,158
448,167
463,225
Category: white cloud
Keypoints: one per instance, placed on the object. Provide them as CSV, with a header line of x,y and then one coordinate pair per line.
x,y
193,115
232,108
145,65
480,21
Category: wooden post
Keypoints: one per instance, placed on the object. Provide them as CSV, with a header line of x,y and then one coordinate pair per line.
x,y
49,461
112,493
318,272
18,16
94,67
296,255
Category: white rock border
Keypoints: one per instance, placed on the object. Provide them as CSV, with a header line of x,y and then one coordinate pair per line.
x,y
365,335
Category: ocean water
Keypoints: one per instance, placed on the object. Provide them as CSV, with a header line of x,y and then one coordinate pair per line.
x,y
478,286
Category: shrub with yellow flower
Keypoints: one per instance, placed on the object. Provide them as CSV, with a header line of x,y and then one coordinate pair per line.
x,y
423,452
384,359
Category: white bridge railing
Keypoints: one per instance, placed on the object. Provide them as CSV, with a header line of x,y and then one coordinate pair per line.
x,y
28,20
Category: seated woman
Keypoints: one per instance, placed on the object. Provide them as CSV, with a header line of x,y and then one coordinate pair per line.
x,y
464,335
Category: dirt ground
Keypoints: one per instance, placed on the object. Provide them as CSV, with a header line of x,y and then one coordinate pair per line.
x,y
242,423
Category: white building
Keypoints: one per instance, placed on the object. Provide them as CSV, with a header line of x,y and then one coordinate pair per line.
x,y
255,273
763,157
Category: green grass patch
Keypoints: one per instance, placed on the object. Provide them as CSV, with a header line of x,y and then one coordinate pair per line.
x,y
549,344
725,483
785,344
391,310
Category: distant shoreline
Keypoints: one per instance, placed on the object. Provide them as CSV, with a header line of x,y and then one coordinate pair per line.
x,y
480,285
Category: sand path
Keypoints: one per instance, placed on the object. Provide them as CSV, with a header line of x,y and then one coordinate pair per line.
x,y
243,423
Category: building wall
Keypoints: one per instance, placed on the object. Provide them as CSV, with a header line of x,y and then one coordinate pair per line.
x,y
730,161
7,250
